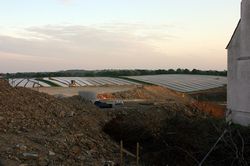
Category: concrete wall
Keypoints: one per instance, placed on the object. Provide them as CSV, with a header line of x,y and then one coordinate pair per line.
x,y
88,96
239,70
241,107
245,28
233,55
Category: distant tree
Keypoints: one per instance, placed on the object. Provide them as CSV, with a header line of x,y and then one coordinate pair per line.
x,y
195,71
179,71
186,71
171,71
113,73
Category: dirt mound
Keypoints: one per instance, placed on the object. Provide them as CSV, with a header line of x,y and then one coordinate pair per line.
x,y
214,95
211,108
38,129
169,97
156,93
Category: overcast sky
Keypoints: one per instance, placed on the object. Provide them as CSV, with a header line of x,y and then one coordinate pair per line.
x,y
51,35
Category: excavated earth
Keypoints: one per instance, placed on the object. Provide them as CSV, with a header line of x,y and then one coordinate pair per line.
x,y
39,129
167,97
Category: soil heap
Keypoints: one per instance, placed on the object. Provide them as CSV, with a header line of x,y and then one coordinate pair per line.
x,y
38,129
174,129
169,98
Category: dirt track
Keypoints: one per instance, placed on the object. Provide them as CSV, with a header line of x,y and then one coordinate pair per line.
x,y
74,90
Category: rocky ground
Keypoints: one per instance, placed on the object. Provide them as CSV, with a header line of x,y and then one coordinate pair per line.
x,y
172,129
38,129
168,98
178,130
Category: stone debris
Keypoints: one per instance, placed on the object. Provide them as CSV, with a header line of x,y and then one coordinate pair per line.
x,y
52,153
30,155
46,131
21,147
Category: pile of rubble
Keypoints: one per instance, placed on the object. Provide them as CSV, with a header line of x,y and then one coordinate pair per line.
x,y
179,133
175,100
38,129
153,93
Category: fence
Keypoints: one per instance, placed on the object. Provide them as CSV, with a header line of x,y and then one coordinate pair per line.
x,y
136,156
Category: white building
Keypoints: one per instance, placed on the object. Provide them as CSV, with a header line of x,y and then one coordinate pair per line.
x,y
239,69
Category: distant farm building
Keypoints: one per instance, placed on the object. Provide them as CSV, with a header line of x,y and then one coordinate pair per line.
x,y
239,69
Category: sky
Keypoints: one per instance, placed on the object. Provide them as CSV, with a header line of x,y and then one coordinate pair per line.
x,y
53,35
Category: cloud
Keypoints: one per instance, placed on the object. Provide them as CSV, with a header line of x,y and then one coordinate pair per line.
x,y
88,47
117,45
142,31
11,62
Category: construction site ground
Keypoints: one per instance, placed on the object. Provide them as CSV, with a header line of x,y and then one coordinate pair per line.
x,y
72,91
177,129
172,128
39,129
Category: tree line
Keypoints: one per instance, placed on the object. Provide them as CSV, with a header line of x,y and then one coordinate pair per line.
x,y
113,73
